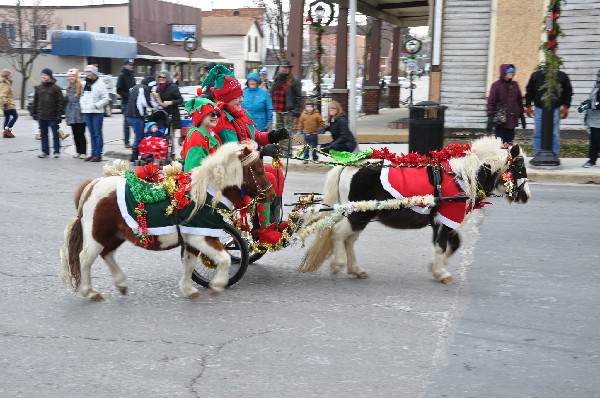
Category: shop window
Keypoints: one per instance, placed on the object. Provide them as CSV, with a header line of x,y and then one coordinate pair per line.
x,y
107,29
39,32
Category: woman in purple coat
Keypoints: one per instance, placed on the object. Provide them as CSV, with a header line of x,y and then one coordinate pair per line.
x,y
505,93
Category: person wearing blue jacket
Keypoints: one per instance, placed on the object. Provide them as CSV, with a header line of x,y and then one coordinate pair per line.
x,y
258,102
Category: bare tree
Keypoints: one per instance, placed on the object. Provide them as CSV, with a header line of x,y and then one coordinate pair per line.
x,y
277,19
27,29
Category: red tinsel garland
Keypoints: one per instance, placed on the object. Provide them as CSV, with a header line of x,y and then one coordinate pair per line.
x,y
414,159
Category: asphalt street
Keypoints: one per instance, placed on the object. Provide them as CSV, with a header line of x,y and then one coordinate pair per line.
x,y
520,322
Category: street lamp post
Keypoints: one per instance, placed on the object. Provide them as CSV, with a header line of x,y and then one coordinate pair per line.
x,y
319,26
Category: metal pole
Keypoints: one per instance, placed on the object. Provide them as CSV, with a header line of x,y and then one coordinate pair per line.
x,y
319,80
352,93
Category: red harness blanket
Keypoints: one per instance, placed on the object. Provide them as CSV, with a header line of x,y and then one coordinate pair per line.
x,y
402,182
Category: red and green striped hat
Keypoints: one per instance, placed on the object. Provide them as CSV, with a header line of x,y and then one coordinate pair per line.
x,y
198,108
227,87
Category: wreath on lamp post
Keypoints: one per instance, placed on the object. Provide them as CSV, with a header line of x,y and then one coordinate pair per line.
x,y
319,26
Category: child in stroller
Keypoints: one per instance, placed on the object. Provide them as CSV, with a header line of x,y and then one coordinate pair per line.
x,y
155,144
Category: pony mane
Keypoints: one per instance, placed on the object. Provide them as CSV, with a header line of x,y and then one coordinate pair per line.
x,y
484,151
219,170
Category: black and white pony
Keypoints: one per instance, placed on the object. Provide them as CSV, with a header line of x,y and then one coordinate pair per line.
x,y
484,168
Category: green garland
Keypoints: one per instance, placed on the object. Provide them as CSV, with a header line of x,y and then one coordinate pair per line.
x,y
553,62
141,192
318,68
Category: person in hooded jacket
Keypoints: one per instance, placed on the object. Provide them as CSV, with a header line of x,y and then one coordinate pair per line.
x,y
139,101
506,94
591,107
258,102
7,103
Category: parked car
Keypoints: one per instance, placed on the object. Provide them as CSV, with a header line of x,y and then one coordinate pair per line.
x,y
327,84
188,92
62,79
307,87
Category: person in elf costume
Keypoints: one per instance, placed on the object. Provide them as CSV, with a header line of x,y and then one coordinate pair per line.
x,y
201,140
236,124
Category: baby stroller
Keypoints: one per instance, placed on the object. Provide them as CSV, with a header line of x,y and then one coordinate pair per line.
x,y
158,142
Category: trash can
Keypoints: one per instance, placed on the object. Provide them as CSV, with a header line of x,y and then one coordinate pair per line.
x,y
426,127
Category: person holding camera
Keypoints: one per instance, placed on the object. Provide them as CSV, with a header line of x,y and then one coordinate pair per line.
x,y
591,107
48,104
505,105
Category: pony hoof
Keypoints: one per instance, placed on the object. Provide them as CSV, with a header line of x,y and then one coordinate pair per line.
x,y
122,289
448,281
97,297
363,275
195,296
213,292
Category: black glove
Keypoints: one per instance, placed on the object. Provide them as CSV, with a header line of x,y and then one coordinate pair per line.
x,y
523,122
277,135
490,124
270,150
324,148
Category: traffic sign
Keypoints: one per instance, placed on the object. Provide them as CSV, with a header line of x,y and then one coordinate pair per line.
x,y
411,65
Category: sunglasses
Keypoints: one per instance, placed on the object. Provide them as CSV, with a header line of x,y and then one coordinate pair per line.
x,y
162,77
214,114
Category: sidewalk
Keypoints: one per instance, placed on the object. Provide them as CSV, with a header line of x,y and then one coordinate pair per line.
x,y
373,131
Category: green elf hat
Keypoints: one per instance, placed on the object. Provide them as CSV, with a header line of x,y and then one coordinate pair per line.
x,y
198,108
227,87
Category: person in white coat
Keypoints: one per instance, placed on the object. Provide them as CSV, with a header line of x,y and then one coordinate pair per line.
x,y
93,100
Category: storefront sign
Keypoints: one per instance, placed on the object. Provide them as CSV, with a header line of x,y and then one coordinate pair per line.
x,y
180,32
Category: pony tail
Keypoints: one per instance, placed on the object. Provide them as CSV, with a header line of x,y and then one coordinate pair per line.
x,y
69,254
322,247
318,252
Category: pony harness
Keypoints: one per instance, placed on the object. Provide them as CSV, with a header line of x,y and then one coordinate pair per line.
x,y
206,222
402,182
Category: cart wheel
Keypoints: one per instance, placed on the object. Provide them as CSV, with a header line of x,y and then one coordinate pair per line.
x,y
238,250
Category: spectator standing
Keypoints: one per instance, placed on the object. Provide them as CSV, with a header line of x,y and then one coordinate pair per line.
x,y
258,103
309,124
168,96
560,105
7,103
48,104
73,114
592,120
93,100
125,82
505,96
343,139
139,101
265,84
286,95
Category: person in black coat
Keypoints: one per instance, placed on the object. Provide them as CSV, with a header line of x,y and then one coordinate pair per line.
x,y
167,94
343,139
125,82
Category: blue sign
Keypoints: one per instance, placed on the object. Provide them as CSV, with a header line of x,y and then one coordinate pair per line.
x,y
180,32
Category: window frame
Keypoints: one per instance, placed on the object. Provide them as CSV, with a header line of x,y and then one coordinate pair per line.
x,y
32,32
73,26
106,28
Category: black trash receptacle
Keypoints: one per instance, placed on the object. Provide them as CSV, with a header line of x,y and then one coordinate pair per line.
x,y
426,127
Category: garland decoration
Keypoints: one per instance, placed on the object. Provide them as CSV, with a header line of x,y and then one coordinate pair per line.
x,y
141,194
343,209
551,88
142,233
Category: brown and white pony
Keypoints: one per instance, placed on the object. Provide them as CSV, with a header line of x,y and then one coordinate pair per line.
x,y
100,229
481,169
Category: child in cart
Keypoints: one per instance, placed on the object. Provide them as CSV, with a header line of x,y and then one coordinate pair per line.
x,y
154,145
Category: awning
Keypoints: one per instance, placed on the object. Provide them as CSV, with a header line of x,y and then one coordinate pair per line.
x,y
91,44
176,53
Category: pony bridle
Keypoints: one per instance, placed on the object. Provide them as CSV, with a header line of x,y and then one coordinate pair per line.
x,y
247,163
513,173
